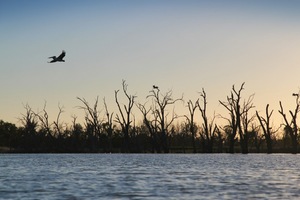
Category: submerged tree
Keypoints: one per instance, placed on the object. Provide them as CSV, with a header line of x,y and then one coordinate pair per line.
x,y
233,106
238,121
152,126
192,126
209,129
267,129
108,126
292,127
124,118
246,120
93,122
160,110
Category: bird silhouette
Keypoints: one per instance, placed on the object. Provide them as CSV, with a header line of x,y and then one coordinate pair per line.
x,y
294,94
155,87
59,58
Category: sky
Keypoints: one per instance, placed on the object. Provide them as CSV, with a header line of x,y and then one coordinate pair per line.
x,y
178,45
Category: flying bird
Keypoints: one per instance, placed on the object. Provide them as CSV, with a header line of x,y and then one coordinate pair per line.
x,y
59,58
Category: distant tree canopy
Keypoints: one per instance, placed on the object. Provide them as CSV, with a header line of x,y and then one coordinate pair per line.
x,y
159,132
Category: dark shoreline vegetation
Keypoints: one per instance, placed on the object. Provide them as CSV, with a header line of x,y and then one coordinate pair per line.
x,y
118,132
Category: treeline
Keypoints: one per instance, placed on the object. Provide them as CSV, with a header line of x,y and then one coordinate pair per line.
x,y
246,130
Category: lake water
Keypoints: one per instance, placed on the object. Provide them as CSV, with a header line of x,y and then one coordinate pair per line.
x,y
149,176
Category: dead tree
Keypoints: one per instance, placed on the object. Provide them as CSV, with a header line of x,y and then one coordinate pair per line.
x,y
92,120
208,129
29,129
292,127
29,121
239,119
267,129
192,126
109,126
57,124
44,122
124,118
151,125
246,120
161,102
233,107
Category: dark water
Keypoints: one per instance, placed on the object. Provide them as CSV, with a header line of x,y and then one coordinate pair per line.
x,y
148,176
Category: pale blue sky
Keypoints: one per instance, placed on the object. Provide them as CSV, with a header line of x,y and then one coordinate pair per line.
x,y
180,45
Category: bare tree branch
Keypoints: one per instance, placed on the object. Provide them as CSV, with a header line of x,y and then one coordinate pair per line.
x,y
56,123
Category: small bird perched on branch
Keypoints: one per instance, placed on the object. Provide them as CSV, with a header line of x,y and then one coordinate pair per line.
x,y
155,87
59,58
294,94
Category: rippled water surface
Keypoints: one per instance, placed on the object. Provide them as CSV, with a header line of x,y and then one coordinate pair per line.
x,y
149,176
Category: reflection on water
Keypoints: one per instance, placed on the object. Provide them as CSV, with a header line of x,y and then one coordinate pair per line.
x,y
149,176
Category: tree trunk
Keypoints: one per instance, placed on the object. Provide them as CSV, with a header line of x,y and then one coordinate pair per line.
x,y
269,145
165,145
294,144
231,144
244,146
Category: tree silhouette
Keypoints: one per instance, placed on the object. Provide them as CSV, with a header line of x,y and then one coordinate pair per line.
x,y
267,129
238,118
292,127
44,121
157,133
93,121
152,126
161,102
208,129
108,126
124,118
246,120
29,129
57,124
192,126
233,106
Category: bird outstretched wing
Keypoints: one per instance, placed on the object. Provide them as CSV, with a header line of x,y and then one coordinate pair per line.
x,y
61,56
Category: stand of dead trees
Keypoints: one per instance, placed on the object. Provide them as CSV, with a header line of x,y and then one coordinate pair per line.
x,y
161,129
